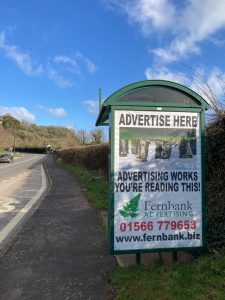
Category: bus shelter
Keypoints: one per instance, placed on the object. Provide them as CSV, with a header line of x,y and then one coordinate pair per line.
x,y
156,167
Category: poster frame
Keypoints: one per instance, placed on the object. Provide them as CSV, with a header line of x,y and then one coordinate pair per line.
x,y
111,177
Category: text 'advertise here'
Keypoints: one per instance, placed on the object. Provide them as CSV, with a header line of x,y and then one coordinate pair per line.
x,y
156,166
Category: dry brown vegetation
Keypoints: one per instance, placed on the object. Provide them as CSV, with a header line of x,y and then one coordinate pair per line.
x,y
39,136
93,158
6,138
30,136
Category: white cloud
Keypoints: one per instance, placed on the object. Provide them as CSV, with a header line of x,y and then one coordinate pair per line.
x,y
92,68
92,107
201,18
216,80
149,14
217,42
199,21
165,54
177,49
22,59
62,69
19,113
165,74
67,63
157,14
55,112
61,81
186,24
71,127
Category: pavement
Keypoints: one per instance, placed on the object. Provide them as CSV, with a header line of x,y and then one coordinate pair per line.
x,y
61,251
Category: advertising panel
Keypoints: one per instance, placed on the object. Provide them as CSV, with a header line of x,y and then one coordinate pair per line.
x,y
157,180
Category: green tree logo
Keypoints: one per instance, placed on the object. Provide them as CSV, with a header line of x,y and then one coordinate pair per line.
x,y
131,208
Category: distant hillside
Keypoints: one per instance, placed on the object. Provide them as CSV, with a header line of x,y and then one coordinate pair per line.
x,y
40,136
5,137
31,135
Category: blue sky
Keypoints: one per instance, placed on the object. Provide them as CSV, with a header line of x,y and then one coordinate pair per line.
x,y
54,55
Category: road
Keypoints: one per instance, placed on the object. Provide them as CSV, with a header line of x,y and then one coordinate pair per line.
x,y
22,184
21,164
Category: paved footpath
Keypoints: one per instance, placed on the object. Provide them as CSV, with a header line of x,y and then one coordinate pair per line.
x,y
61,252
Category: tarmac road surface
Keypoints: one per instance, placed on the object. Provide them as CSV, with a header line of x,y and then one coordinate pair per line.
x,y
21,187
20,164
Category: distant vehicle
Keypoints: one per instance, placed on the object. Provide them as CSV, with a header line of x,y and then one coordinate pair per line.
x,y
6,158
49,149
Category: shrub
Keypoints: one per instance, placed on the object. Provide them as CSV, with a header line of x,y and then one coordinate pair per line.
x,y
93,158
31,149
215,177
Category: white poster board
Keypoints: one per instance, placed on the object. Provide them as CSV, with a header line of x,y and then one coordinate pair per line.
x,y
157,180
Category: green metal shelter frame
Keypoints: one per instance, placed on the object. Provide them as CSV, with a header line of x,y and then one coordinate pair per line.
x,y
130,96
151,95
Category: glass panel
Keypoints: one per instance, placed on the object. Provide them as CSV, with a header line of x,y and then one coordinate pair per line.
x,y
157,94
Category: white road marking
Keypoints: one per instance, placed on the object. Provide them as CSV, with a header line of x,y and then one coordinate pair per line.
x,y
7,204
17,219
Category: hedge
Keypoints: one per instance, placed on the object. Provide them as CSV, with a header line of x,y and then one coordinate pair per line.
x,y
95,158
215,179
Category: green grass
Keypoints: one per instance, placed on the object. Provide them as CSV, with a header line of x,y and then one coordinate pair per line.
x,y
201,279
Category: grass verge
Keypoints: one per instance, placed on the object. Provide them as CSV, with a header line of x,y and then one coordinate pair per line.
x,y
201,279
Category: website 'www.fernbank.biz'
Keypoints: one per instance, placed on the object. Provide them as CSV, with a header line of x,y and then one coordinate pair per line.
x,y
159,237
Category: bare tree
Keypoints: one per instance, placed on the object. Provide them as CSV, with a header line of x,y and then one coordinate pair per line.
x,y
83,137
214,94
97,136
208,92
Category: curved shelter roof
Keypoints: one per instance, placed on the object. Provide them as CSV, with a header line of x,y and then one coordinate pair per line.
x,y
151,93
